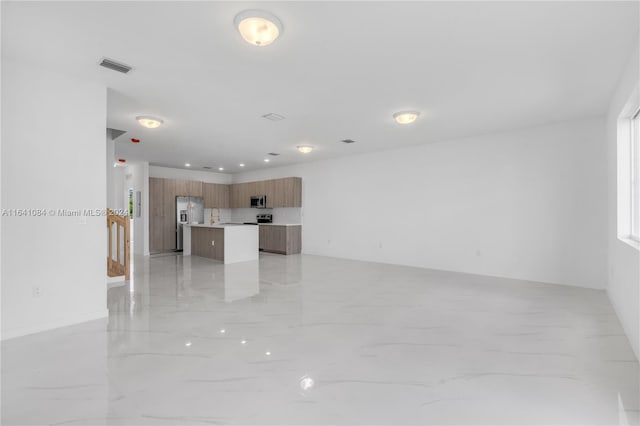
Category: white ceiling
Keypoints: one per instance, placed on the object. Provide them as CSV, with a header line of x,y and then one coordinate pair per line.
x,y
340,70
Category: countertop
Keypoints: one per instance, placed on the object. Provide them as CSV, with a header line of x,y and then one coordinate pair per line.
x,y
215,225
225,225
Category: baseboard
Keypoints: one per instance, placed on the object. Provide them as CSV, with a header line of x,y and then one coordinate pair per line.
x,y
634,349
65,322
409,265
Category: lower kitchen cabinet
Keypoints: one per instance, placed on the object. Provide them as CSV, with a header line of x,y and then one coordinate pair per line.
x,y
201,239
281,239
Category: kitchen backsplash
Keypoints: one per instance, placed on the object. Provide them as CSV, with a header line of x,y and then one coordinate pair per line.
x,y
280,215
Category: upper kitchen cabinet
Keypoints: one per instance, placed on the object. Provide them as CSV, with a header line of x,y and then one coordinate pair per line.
x,y
216,195
239,196
285,192
292,192
190,188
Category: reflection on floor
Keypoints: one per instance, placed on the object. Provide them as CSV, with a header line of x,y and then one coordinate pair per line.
x,y
314,340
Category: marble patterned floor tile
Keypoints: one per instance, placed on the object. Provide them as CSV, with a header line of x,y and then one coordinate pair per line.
x,y
292,340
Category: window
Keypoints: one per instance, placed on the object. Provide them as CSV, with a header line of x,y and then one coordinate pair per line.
x,y
634,166
628,171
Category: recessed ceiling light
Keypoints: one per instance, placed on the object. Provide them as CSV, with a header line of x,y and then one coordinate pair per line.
x,y
241,164
266,160
406,117
221,168
273,116
258,27
149,122
305,149
187,165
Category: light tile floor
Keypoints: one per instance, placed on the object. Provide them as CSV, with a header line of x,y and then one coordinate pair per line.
x,y
315,340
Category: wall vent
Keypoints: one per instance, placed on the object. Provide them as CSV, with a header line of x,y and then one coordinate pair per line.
x,y
273,116
273,154
115,66
348,141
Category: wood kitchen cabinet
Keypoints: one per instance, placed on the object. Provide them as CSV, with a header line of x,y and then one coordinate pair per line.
x,y
162,214
285,192
216,195
241,195
201,239
156,220
169,215
236,196
280,239
188,188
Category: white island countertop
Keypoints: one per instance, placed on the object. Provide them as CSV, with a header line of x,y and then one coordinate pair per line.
x,y
216,225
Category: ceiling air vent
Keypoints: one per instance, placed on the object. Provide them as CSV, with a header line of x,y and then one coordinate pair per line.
x,y
115,66
206,167
273,116
273,154
348,141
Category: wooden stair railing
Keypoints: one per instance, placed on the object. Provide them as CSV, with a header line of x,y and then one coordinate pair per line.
x,y
118,261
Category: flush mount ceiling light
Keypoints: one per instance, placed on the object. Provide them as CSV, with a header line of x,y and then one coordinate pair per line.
x,y
406,117
149,122
305,149
258,27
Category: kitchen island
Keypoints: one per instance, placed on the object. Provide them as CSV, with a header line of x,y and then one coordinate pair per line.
x,y
227,242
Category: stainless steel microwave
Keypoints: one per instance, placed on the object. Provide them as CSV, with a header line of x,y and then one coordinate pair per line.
x,y
259,201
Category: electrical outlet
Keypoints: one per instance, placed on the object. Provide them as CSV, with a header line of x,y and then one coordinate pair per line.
x,y
478,253
36,291
379,245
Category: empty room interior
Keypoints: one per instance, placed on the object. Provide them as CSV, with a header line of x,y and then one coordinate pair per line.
x,y
320,213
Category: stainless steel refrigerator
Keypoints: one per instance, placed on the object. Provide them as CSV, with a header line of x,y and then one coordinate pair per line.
x,y
188,210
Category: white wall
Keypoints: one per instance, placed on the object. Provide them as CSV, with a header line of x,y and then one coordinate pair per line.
x,y
197,175
525,204
53,157
623,260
